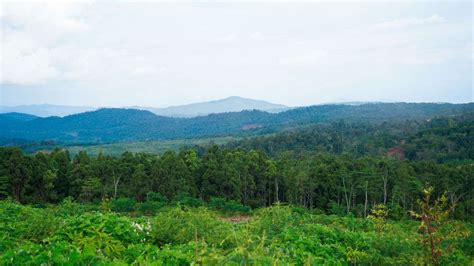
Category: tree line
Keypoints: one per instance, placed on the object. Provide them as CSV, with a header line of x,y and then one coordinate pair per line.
x,y
441,139
330,183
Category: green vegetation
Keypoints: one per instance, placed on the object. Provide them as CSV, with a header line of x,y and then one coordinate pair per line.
x,y
151,146
332,183
440,139
71,233
396,192
113,125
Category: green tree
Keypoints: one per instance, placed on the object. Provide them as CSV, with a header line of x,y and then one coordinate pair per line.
x,y
139,185
90,189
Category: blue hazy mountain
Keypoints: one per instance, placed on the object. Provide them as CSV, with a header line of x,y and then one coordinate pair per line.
x,y
45,110
230,104
14,116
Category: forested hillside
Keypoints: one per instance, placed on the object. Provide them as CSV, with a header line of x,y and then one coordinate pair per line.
x,y
359,192
440,139
110,125
336,168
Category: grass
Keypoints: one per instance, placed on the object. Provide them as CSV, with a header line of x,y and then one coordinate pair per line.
x,y
151,146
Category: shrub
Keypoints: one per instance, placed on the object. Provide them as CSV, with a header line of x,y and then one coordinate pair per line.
x,y
180,225
337,209
149,207
123,205
188,201
155,197
69,207
229,206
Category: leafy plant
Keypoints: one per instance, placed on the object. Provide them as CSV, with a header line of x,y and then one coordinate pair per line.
x,y
123,205
437,231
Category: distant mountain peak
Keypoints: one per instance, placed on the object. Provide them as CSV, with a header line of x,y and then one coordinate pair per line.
x,y
233,97
236,98
225,105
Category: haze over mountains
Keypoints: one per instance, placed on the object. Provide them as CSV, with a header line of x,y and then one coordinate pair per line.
x,y
45,110
230,104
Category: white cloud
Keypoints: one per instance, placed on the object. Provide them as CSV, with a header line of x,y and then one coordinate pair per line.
x,y
30,36
41,42
402,23
26,67
54,18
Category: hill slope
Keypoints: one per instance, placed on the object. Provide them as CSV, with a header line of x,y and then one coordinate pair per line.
x,y
109,125
14,116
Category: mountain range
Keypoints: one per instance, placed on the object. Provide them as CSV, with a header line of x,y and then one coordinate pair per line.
x,y
46,110
119,124
230,104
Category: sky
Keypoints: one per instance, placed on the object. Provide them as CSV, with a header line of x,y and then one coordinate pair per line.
x,y
155,53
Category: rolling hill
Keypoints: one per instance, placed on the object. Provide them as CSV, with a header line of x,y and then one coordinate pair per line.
x,y
116,124
21,117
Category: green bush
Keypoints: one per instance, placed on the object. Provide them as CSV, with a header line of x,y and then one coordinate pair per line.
x,y
188,201
123,205
337,209
156,197
228,206
180,225
149,207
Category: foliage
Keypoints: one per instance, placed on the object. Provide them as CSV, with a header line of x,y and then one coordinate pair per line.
x,y
340,184
363,165
182,235
437,230
379,216
229,206
185,200
156,197
123,205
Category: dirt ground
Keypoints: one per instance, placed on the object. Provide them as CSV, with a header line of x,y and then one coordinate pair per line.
x,y
236,219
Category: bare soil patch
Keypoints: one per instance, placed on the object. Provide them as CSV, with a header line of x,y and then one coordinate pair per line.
x,y
236,219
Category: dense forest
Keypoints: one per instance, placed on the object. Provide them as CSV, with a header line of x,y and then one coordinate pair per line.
x,y
440,139
111,125
335,168
338,184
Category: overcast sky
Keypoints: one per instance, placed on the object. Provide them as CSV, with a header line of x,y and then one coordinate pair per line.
x,y
161,54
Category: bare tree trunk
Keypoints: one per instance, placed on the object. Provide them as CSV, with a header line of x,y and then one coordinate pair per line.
x,y
353,197
116,183
366,198
348,201
276,190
